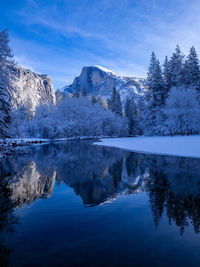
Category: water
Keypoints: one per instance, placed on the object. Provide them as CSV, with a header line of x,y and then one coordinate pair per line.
x,y
76,204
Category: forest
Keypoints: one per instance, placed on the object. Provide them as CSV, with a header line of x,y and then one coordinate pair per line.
x,y
170,104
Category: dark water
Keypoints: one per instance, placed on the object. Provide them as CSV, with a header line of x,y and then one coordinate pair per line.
x,y
76,204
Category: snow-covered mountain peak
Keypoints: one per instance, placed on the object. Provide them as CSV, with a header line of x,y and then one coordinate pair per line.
x,y
98,80
105,70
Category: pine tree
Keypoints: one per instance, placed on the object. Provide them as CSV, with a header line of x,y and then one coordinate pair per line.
x,y
94,99
4,112
59,96
118,105
154,96
83,92
131,114
176,67
76,93
166,76
191,70
141,114
155,83
112,100
5,83
114,103
102,102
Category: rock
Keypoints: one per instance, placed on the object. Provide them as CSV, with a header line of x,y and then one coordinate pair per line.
x,y
31,89
100,81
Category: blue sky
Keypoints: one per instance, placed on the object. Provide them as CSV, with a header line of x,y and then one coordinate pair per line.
x,y
60,37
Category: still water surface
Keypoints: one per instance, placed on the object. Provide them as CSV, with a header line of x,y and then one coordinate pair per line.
x,y
76,204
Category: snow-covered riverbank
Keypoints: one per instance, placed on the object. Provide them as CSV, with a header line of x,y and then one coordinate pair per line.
x,y
10,146
184,146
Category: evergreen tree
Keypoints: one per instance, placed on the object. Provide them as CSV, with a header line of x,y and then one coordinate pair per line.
x,y
176,67
191,68
102,102
154,96
112,100
83,92
182,112
131,114
5,83
94,99
59,96
114,103
76,93
166,76
118,105
135,118
141,115
155,82
4,112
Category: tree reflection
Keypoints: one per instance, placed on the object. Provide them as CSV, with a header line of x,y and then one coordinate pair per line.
x,y
173,187
99,174
7,217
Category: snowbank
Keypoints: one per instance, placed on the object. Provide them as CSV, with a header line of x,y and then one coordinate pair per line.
x,y
184,146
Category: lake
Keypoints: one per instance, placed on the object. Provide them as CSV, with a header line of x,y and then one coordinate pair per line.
x,y
77,204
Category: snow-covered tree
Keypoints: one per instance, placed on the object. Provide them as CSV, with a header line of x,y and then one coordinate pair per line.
x,y
118,105
59,96
76,93
5,82
182,112
114,103
132,116
102,102
83,92
176,67
141,114
154,97
74,117
129,115
191,72
112,100
166,76
94,99
4,111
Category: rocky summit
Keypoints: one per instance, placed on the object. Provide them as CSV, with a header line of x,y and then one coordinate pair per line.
x,y
101,81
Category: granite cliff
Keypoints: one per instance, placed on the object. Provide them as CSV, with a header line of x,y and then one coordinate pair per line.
x,y
31,89
101,81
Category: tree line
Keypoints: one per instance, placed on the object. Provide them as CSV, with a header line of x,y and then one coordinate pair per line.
x,y
169,105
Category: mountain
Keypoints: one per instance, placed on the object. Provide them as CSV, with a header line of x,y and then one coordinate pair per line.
x,y
31,89
101,81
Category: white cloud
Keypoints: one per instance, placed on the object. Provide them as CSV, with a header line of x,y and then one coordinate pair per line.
x,y
123,32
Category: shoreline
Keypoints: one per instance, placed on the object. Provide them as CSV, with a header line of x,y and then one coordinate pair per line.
x,y
10,146
177,146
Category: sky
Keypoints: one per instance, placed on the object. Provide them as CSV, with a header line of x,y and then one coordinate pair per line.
x,y
59,37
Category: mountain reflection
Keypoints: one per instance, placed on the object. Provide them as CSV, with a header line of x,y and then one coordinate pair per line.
x,y
98,175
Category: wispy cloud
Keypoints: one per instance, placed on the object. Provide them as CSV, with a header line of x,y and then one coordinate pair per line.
x,y
116,34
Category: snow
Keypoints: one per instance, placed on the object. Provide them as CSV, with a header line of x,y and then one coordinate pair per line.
x,y
105,69
31,89
184,146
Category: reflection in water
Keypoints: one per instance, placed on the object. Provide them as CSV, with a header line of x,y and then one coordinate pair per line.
x,y
7,217
174,186
98,175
